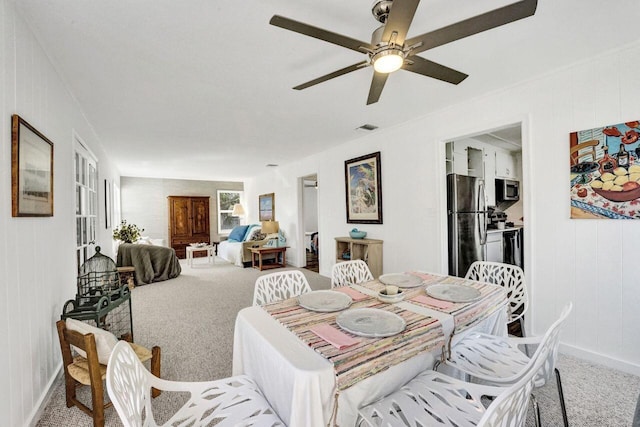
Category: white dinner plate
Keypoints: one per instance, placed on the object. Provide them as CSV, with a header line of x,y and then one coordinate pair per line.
x,y
324,301
453,292
401,280
371,322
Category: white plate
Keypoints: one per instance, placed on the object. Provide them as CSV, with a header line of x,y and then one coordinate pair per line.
x,y
371,322
324,301
401,280
453,292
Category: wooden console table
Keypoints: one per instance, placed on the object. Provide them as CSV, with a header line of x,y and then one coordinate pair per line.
x,y
281,250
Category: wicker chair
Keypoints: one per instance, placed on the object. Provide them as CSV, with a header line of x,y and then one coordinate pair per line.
x,y
432,399
231,402
511,277
87,371
279,286
350,273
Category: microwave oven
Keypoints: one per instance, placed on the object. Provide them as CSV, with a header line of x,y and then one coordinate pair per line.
x,y
507,190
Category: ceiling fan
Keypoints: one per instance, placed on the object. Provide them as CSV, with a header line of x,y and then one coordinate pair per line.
x,y
390,50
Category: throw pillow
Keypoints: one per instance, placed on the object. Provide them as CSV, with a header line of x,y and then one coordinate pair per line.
x,y
105,340
238,232
251,232
259,236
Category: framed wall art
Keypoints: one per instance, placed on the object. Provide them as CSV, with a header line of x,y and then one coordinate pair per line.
x,y
31,170
267,207
363,188
605,172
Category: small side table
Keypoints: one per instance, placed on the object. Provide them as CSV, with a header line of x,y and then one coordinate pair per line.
x,y
278,250
192,249
215,246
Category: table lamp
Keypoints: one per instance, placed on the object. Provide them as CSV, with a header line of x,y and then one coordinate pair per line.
x,y
238,210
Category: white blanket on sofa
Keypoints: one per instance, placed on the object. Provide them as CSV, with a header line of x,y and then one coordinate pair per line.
x,y
231,251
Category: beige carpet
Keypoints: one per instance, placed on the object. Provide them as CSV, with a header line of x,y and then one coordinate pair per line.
x,y
192,319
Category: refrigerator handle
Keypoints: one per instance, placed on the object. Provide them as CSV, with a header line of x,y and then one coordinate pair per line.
x,y
482,206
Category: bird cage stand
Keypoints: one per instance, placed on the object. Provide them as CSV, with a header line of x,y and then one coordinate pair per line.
x,y
101,298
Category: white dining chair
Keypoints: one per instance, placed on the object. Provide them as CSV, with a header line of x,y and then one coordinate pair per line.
x,y
435,399
501,361
347,273
230,402
278,286
511,277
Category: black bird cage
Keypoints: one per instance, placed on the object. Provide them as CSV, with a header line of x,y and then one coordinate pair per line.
x,y
101,299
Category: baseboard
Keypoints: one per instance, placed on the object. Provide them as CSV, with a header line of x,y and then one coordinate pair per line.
x,y
44,399
601,359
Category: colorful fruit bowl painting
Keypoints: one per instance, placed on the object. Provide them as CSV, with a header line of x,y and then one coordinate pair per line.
x,y
605,172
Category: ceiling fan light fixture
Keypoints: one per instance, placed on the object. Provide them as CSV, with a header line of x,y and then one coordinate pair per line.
x,y
388,60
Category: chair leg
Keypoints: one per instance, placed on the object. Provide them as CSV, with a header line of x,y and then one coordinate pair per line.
x,y
155,368
97,405
536,409
561,396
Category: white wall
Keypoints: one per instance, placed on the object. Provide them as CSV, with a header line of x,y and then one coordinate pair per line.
x,y
310,196
590,262
37,255
144,201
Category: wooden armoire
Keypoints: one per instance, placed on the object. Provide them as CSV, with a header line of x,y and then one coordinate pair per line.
x,y
188,222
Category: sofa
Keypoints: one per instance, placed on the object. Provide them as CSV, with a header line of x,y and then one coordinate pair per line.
x,y
237,248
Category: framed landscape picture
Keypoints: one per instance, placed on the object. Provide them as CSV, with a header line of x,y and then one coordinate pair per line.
x,y
363,189
31,170
267,207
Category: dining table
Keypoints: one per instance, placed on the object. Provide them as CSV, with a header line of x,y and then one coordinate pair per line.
x,y
310,382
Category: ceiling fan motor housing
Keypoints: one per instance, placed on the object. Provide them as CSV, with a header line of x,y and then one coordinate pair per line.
x,y
381,9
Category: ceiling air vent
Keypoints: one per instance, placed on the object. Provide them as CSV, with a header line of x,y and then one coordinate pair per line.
x,y
367,127
272,165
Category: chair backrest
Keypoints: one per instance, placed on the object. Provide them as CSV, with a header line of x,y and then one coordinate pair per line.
x,y
511,277
350,273
279,286
551,340
230,402
509,409
128,384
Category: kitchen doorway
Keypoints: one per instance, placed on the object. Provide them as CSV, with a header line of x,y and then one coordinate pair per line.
x,y
488,168
309,209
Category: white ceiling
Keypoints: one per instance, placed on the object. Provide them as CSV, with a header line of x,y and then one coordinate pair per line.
x,y
201,89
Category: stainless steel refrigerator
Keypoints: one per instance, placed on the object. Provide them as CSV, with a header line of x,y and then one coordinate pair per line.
x,y
467,219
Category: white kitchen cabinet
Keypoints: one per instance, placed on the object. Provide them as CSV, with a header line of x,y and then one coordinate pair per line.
x,y
490,175
505,165
494,251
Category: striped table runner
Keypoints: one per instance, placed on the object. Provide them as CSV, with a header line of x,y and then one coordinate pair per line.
x,y
465,314
371,355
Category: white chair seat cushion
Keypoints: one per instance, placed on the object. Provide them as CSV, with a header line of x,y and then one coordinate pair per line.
x,y
105,340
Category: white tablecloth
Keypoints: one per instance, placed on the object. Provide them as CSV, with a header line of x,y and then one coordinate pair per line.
x,y
300,384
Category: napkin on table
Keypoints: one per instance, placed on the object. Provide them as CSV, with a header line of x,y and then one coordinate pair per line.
x,y
333,336
437,303
423,276
355,295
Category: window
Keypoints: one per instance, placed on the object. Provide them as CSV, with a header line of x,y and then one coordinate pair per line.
x,y
86,174
226,200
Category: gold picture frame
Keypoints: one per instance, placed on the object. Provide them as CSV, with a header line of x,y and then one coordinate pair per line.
x,y
267,207
31,170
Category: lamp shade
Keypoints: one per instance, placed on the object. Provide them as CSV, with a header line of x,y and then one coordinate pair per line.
x,y
270,227
238,210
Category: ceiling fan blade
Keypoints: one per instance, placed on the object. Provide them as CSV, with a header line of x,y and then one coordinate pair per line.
x,y
419,65
475,25
330,76
319,33
399,20
377,84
